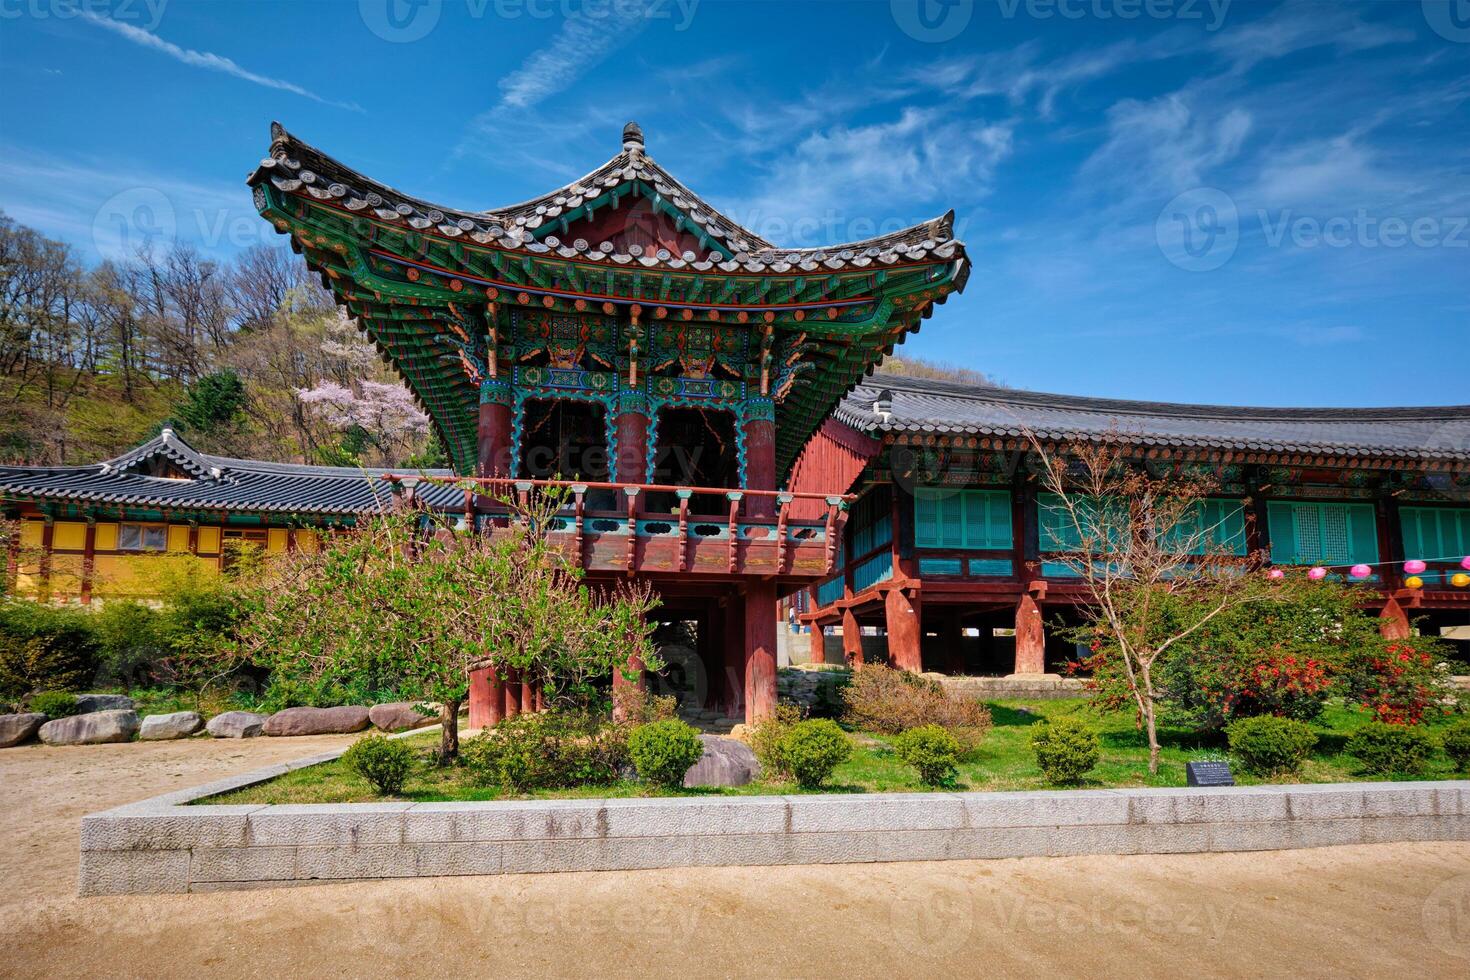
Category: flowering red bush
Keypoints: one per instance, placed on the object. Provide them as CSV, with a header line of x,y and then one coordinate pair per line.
x,y
1398,682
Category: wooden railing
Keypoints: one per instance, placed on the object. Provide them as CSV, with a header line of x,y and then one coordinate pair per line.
x,y
740,539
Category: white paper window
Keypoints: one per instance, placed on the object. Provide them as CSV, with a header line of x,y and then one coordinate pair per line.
x,y
142,537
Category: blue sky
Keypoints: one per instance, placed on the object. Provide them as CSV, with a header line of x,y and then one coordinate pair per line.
x,y
1241,202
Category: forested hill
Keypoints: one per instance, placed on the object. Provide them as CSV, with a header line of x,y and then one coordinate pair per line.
x,y
245,358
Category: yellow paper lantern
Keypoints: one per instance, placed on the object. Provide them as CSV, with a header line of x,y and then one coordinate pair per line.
x,y
1459,580
1414,582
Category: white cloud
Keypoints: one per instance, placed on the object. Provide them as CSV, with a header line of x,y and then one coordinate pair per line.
x,y
206,59
825,189
1162,145
579,46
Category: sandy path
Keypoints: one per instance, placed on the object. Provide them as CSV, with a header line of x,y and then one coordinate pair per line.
x,y
1355,911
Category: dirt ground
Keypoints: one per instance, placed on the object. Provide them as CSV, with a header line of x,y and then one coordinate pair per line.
x,y
1353,911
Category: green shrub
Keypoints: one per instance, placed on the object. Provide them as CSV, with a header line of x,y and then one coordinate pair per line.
x,y
1457,744
1385,748
768,742
547,750
933,751
55,704
887,701
1266,745
44,648
131,640
663,751
812,749
384,762
635,706
1066,749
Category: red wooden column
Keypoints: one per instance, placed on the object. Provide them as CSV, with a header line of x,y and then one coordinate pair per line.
x,y
733,682
89,557
1030,637
904,634
760,650
852,640
760,467
510,692
487,698
818,641
632,447
1393,622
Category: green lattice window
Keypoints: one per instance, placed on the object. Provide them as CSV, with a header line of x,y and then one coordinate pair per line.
x,y
1213,527
869,525
974,519
1056,531
1435,532
1322,534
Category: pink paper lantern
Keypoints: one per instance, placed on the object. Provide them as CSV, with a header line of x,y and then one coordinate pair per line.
x,y
1276,573
1360,571
1414,566
1317,574
1465,563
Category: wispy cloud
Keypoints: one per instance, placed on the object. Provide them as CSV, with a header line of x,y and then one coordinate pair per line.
x,y
579,46
206,59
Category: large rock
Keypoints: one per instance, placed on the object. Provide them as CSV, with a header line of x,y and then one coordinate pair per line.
x,y
398,716
317,721
15,729
161,728
92,728
87,703
236,724
725,762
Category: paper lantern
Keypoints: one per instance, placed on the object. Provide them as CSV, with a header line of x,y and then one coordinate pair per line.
x,y
1459,580
1465,563
1414,566
1276,573
1414,582
1317,574
1360,571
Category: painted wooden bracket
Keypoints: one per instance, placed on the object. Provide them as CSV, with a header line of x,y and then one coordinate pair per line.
x,y
734,496
683,495
632,495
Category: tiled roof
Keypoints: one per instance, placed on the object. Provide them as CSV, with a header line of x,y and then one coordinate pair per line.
x,y
295,167
215,483
925,406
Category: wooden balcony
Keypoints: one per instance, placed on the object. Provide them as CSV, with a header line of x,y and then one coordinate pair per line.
x,y
752,534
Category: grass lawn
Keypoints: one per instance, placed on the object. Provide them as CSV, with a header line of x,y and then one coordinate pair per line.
x,y
1004,762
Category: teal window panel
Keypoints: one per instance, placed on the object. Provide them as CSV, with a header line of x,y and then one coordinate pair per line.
x,y
1432,533
963,519
992,566
830,591
941,566
1056,531
1057,569
1322,533
876,569
1212,527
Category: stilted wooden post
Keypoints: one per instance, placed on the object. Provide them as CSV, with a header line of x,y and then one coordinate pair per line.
x,y
511,693
1030,637
487,698
954,645
852,640
760,651
904,635
818,641
1393,622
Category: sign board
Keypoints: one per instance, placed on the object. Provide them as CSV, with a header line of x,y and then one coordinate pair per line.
x,y
1208,774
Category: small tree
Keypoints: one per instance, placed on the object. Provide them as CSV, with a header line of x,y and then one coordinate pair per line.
x,y
407,603
1154,570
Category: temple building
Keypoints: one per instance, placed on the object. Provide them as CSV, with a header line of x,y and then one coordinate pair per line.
x,y
950,549
707,401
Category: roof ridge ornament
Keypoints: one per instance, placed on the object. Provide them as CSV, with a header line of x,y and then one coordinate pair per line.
x,y
633,139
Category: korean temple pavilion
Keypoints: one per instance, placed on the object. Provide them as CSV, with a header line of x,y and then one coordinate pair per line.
x,y
708,401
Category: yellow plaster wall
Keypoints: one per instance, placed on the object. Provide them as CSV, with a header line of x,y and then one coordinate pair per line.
x,y
178,537
276,539
106,537
69,536
209,538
